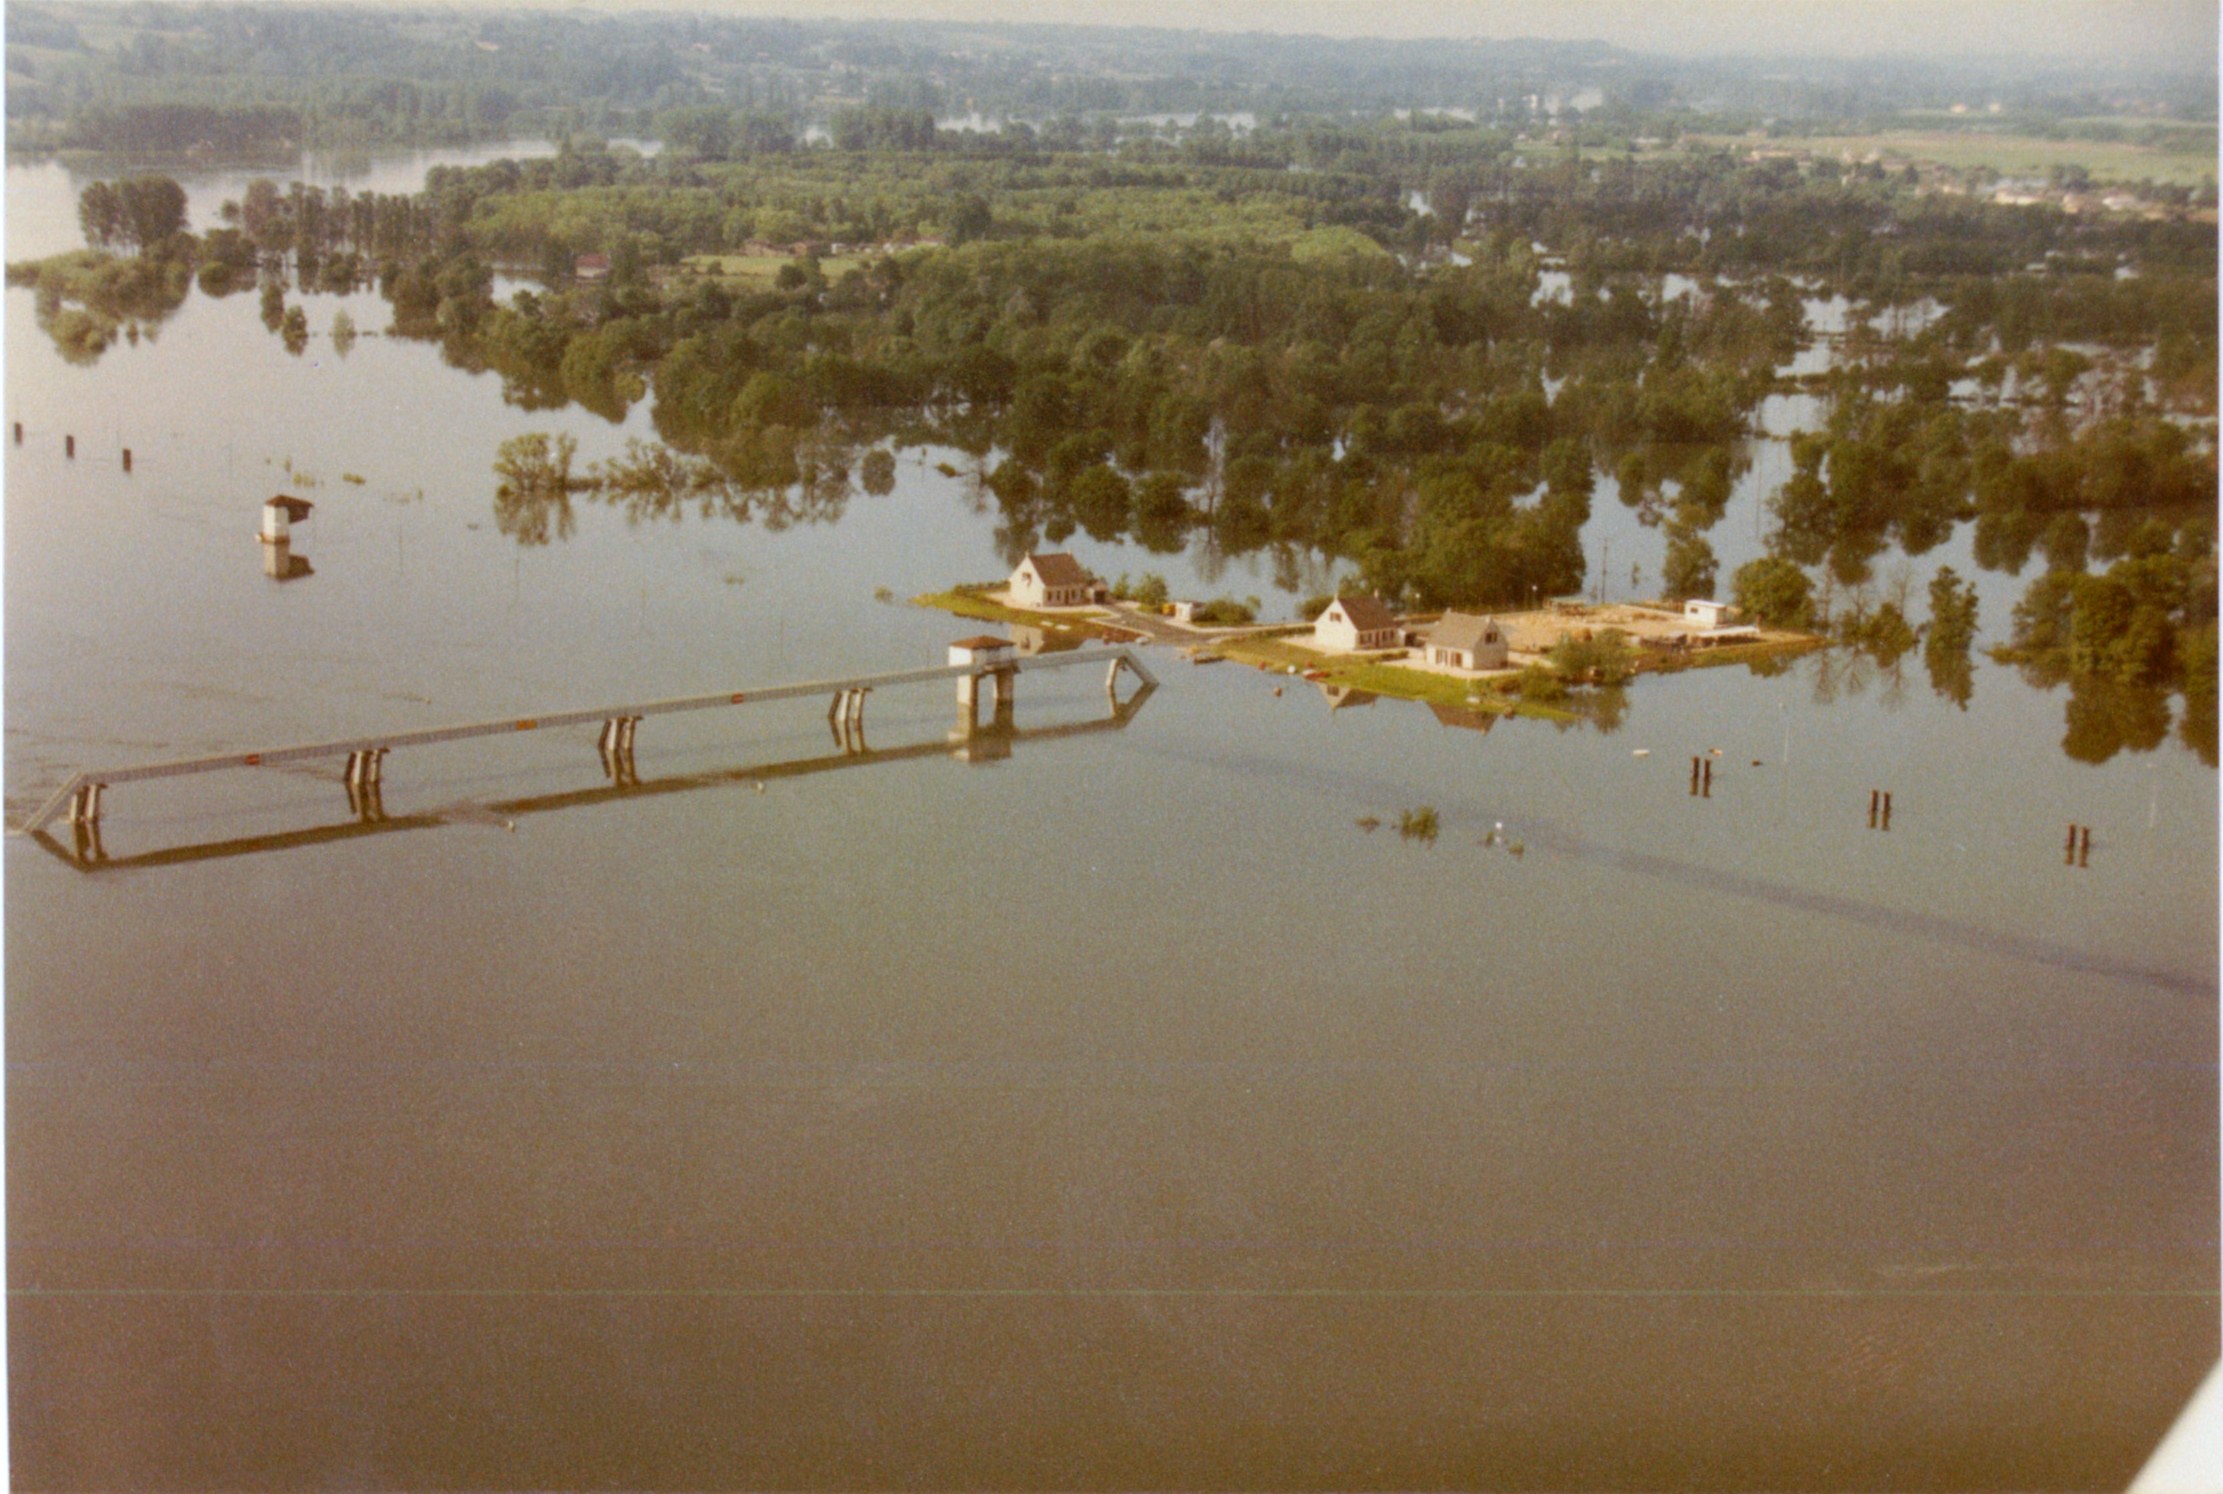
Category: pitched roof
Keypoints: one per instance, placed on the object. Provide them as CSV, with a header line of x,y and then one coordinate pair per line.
x,y
1060,570
1462,630
982,640
1367,614
296,509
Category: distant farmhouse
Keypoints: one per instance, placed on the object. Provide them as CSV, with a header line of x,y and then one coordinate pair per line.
x,y
591,267
1054,581
1463,641
1351,624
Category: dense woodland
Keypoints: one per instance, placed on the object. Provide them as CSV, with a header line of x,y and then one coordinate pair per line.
x,y
1411,345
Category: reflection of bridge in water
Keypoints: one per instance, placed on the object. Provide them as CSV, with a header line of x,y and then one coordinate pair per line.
x,y
972,740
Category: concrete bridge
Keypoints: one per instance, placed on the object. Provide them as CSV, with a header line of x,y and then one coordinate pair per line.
x,y
972,661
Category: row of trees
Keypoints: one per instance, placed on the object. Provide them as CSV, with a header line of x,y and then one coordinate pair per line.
x,y
136,213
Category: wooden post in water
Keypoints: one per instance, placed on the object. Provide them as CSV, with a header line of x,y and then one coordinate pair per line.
x,y
1709,776
1694,775
1887,809
127,459
2084,846
69,446
19,433
1875,797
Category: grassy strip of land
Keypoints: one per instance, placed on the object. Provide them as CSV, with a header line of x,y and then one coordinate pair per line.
x,y
1656,662
1363,672
971,601
2010,155
761,271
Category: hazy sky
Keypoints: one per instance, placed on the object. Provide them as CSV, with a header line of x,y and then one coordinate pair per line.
x,y
2182,29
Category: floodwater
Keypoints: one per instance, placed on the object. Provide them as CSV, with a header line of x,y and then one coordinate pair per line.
x,y
1115,1113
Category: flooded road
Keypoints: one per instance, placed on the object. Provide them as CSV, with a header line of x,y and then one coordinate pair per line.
x,y
1116,1112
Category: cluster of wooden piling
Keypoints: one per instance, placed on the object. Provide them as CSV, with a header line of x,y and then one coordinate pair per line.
x,y
1879,809
1702,777
2078,851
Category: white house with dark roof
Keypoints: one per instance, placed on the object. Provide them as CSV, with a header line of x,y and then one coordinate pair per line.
x,y
1464,641
1706,612
1053,581
1354,624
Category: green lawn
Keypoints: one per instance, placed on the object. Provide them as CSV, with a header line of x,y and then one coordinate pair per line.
x,y
965,601
2010,155
760,270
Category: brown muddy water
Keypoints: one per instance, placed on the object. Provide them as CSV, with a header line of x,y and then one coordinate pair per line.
x,y
1114,1114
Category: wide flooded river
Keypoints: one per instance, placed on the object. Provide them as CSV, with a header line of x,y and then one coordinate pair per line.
x,y
1114,1113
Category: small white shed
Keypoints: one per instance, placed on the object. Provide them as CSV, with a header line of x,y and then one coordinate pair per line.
x,y
985,649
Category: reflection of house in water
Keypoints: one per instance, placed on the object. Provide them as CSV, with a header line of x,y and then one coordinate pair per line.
x,y
1029,641
279,562
1342,697
1471,720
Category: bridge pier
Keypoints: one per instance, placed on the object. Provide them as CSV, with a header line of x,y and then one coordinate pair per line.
x,y
1003,686
977,742
85,841
616,746
366,800
846,717
366,771
84,805
366,766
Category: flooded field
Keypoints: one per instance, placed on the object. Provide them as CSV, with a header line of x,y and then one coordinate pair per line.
x,y
1114,1112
